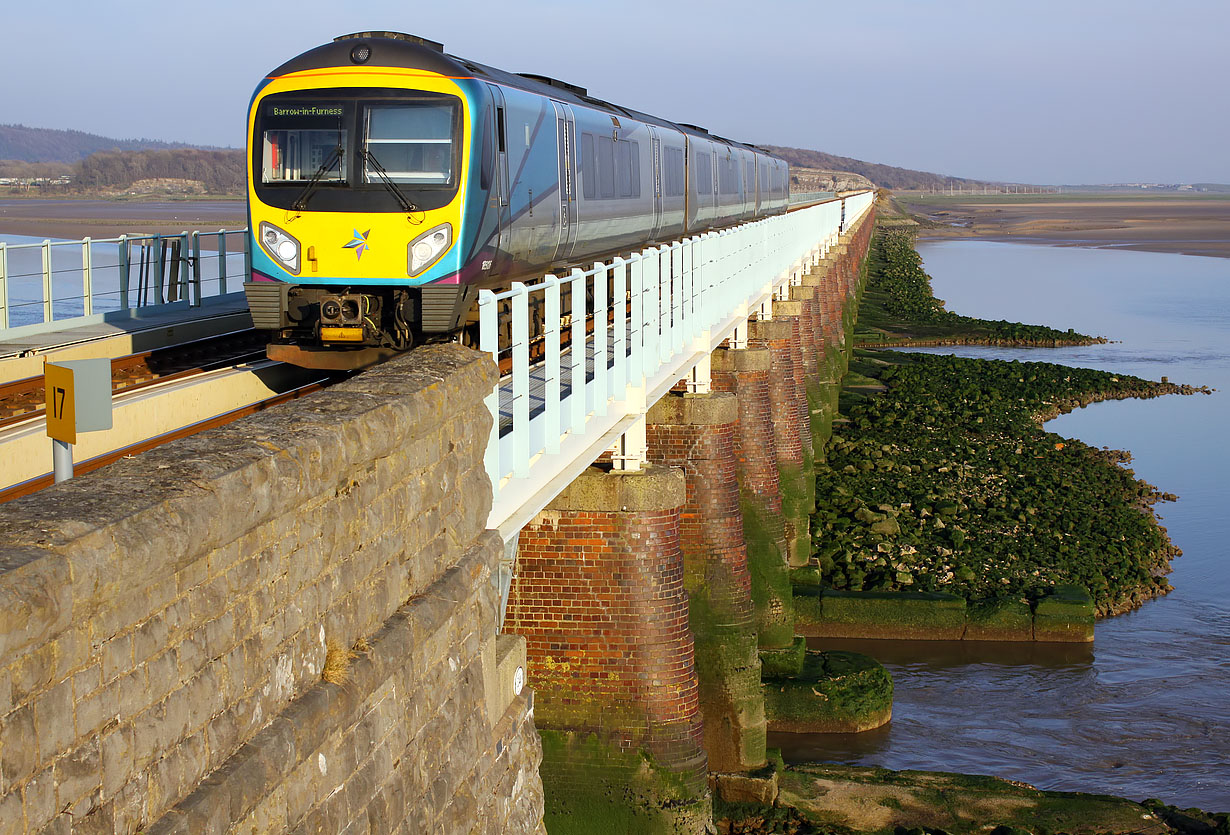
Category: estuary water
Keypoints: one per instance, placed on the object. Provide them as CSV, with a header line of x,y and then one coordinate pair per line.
x,y
1145,711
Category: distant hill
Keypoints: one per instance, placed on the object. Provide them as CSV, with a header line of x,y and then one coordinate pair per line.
x,y
885,176
18,142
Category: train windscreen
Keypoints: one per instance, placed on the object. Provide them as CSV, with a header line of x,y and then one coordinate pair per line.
x,y
412,142
304,141
355,149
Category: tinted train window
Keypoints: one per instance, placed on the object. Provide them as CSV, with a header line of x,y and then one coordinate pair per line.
x,y
704,173
302,139
589,166
414,142
749,176
674,176
610,170
728,176
606,167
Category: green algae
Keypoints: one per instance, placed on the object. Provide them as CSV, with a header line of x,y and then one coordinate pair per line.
x,y
588,782
833,692
986,503
1065,615
898,615
772,600
728,674
1001,619
855,800
787,661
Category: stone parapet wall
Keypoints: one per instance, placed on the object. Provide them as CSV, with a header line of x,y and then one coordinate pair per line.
x,y
167,623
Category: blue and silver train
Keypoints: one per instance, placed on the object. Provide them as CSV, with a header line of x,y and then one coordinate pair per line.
x,y
388,182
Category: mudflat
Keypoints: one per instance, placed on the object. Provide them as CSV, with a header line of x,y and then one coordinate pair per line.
x,y
70,219
1195,225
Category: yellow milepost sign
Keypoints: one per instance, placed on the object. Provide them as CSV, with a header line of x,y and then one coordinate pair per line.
x,y
61,403
78,394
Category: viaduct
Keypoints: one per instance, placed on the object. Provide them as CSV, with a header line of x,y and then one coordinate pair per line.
x,y
300,622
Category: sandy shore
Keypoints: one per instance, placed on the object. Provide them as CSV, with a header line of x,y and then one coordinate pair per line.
x,y
1164,223
73,219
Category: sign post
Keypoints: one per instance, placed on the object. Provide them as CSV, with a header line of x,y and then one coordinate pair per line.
x,y
78,397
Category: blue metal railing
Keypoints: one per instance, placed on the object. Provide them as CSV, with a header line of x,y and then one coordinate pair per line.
x,y
52,283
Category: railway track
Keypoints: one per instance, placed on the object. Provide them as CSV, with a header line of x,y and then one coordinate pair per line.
x,y
158,396
23,399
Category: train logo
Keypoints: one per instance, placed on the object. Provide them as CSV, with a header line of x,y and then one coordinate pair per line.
x,y
359,244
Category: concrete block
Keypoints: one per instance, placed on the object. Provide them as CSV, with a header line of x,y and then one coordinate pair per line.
x,y
1066,615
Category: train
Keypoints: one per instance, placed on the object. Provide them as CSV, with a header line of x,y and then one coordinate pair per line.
x,y
389,181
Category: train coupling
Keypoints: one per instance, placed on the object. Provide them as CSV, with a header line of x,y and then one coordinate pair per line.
x,y
349,318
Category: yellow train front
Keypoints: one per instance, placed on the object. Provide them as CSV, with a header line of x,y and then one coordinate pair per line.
x,y
388,182
359,167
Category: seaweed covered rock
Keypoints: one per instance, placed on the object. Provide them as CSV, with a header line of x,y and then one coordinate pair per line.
x,y
983,503
1065,615
1001,619
894,615
834,692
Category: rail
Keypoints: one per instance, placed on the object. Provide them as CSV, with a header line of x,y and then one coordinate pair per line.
x,y
656,317
55,284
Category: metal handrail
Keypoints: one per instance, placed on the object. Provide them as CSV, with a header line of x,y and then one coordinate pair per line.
x,y
37,287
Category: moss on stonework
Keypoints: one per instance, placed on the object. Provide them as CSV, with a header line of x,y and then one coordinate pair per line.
x,y
835,692
1065,615
797,509
788,661
808,610
766,564
728,677
903,615
999,619
589,783
856,800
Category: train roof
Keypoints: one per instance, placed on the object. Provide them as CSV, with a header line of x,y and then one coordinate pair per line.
x,y
396,49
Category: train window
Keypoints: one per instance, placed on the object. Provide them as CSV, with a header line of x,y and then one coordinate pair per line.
x,y
704,172
412,142
728,176
589,167
500,130
606,167
623,169
749,176
674,175
296,155
635,153
301,139
610,170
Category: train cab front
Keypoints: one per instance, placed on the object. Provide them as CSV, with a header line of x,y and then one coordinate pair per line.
x,y
357,163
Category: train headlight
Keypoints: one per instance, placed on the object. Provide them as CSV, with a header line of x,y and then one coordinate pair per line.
x,y
283,248
428,247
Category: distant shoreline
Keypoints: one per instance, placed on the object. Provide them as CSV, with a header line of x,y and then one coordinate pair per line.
x,y
1166,224
94,217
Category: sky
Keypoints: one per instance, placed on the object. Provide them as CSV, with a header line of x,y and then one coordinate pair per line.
x,y
1030,91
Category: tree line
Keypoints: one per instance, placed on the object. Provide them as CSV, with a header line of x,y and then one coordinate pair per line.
x,y
219,172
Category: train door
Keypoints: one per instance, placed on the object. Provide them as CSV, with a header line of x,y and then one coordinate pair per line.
x,y
565,131
498,196
655,144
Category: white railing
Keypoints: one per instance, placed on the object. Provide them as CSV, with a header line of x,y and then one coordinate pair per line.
x,y
856,204
55,284
656,315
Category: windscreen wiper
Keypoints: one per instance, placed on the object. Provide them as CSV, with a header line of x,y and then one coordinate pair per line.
x,y
406,206
300,202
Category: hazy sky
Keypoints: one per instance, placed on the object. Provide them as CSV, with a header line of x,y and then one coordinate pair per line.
x,y
1040,91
